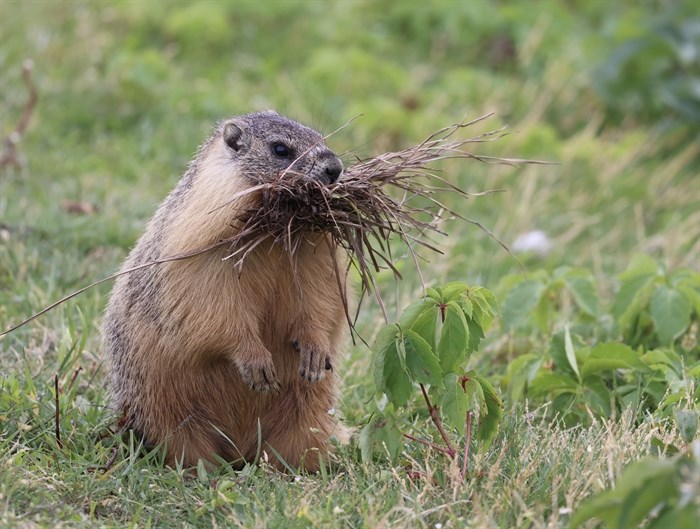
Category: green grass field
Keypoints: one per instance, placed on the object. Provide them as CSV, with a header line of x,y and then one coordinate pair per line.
x,y
127,91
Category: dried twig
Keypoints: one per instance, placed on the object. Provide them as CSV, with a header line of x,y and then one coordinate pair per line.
x,y
75,376
9,152
112,458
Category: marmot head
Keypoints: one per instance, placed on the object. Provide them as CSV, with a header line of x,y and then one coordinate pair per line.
x,y
265,144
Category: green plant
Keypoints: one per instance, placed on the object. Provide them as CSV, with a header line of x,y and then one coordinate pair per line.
x,y
604,379
661,490
642,352
656,308
536,299
653,307
430,346
653,74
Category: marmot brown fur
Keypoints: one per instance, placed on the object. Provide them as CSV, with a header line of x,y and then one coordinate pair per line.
x,y
213,361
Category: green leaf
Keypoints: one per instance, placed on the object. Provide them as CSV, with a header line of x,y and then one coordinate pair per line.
x,y
395,381
670,312
454,403
687,421
544,312
521,371
381,433
202,473
475,336
474,394
584,292
684,518
454,338
685,276
545,383
420,360
413,311
692,294
557,350
491,418
609,356
570,352
454,291
609,506
597,395
483,311
385,338
640,265
632,298
520,301
662,357
425,325
663,447
467,307
653,492
435,294
488,297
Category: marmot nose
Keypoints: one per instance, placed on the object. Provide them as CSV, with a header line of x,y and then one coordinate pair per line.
x,y
333,169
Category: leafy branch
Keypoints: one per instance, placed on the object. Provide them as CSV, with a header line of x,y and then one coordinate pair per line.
x,y
429,347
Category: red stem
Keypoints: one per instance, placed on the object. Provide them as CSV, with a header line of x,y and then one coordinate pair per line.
x,y
435,416
446,451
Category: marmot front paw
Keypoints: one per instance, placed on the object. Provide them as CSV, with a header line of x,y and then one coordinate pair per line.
x,y
259,376
314,362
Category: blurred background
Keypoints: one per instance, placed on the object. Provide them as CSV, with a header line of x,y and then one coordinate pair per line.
x,y
127,90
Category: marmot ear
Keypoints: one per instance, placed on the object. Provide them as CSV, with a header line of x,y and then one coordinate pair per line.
x,y
233,136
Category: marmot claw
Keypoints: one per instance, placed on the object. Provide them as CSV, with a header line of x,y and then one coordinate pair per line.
x,y
313,362
260,378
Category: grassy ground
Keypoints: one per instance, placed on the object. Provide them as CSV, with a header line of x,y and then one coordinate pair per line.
x,y
128,90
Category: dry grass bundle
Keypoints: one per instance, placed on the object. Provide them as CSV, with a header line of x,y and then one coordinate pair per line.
x,y
360,212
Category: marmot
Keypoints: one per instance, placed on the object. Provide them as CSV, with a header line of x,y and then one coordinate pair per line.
x,y
213,362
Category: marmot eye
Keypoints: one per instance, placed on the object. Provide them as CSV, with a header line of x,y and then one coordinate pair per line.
x,y
281,150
